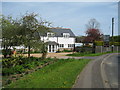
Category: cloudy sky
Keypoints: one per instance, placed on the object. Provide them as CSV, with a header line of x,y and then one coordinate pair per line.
x,y
74,15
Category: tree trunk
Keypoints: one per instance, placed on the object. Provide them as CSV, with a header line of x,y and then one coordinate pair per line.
x,y
44,56
44,51
93,48
28,51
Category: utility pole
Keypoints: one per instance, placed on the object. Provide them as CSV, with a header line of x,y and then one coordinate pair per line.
x,y
112,33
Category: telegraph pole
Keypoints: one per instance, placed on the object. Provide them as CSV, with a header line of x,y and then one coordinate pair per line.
x,y
112,33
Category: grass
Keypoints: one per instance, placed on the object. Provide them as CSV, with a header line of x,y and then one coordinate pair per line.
x,y
87,54
61,74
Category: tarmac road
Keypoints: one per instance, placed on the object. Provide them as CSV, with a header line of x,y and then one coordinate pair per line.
x,y
111,66
0,73
102,72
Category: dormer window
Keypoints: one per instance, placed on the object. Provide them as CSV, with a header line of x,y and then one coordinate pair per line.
x,y
49,34
66,35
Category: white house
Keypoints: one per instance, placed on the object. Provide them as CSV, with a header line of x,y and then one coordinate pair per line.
x,y
59,39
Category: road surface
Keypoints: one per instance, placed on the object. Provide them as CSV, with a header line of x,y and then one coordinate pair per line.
x,y
110,67
102,72
0,73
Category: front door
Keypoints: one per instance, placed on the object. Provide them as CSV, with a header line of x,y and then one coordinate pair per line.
x,y
51,48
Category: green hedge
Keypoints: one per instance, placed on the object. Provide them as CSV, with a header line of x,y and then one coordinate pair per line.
x,y
115,43
99,43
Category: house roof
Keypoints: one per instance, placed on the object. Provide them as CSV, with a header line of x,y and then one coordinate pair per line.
x,y
59,32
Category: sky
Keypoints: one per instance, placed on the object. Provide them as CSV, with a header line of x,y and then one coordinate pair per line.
x,y
73,15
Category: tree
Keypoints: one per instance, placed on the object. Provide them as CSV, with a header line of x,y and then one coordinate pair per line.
x,y
93,32
93,24
115,38
9,28
79,39
25,31
31,31
92,35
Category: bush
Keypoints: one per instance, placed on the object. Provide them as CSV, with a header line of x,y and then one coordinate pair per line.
x,y
18,69
99,43
7,71
6,52
11,62
16,65
65,50
13,70
115,43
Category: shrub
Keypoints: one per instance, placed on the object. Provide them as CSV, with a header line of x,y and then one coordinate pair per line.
x,y
13,70
16,65
6,52
18,69
99,43
115,43
65,50
7,71
11,62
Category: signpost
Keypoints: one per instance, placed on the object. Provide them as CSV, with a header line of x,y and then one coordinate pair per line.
x,y
106,39
112,33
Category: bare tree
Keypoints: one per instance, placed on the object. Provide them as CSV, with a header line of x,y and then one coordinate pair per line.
x,y
93,32
93,24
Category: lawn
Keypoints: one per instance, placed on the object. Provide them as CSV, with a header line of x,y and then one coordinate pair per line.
x,y
61,74
87,54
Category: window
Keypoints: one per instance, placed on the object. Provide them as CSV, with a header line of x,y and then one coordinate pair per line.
x,y
66,35
53,48
70,45
61,45
49,34
49,48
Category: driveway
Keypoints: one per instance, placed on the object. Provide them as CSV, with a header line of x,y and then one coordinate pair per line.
x,y
57,55
52,55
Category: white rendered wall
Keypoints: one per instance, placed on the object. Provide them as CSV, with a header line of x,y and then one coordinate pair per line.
x,y
66,41
46,39
60,40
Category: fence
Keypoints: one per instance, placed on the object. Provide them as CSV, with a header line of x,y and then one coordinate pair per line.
x,y
98,49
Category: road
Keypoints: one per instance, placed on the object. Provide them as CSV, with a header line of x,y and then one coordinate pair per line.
x,y
0,73
102,72
110,68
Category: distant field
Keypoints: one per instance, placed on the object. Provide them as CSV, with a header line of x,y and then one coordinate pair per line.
x,y
61,74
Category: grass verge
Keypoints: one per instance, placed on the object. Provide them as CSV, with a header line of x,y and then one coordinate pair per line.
x,y
88,54
61,74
